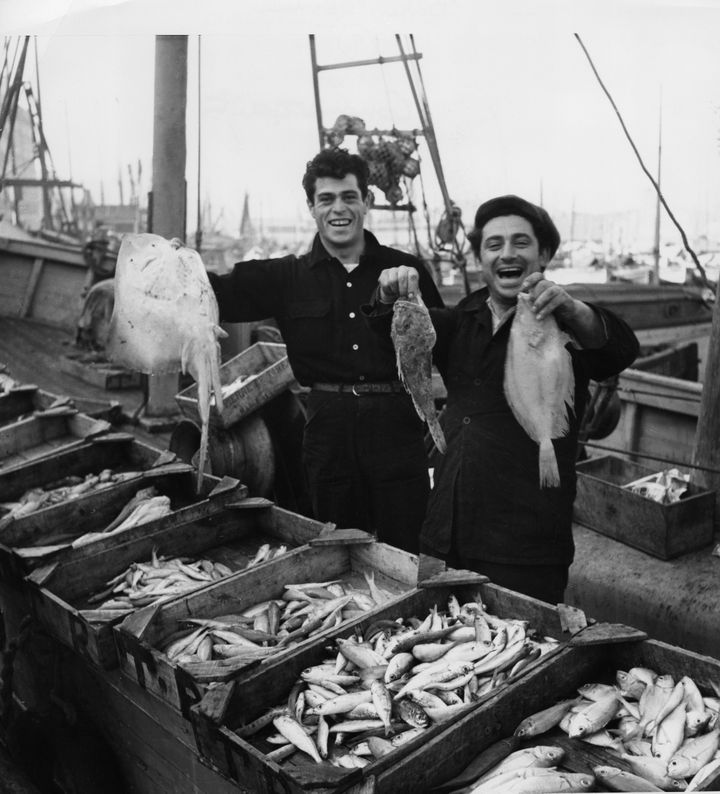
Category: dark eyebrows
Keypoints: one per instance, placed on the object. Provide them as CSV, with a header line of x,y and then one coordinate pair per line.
x,y
517,237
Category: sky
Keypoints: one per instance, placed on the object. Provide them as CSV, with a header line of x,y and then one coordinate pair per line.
x,y
515,105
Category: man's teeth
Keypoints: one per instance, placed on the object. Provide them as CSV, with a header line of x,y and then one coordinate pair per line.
x,y
343,222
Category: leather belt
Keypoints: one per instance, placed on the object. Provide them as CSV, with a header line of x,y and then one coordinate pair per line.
x,y
359,389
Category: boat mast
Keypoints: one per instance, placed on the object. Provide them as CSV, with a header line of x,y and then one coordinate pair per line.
x,y
655,276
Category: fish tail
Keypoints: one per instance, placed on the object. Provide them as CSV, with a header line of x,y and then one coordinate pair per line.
x,y
437,434
549,473
202,457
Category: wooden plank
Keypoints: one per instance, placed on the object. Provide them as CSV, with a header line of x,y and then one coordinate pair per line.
x,y
104,376
29,296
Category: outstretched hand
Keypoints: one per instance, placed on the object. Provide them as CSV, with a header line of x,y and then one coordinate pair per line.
x,y
548,297
398,282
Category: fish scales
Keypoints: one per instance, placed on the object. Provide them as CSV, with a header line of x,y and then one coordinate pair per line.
x,y
166,319
413,337
539,383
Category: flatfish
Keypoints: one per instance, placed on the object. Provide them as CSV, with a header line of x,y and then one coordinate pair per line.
x,y
165,318
539,383
413,336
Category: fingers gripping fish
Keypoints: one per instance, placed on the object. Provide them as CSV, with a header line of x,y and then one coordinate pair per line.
x,y
539,383
413,336
165,318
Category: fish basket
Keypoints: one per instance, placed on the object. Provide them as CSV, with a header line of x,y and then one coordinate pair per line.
x,y
46,433
433,763
225,529
131,464
142,637
249,380
228,709
661,530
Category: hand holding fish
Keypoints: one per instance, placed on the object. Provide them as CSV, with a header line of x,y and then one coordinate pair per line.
x,y
398,282
547,297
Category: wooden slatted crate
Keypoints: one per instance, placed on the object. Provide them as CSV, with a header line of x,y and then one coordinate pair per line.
x,y
249,380
27,398
142,635
229,531
452,750
662,530
230,706
46,433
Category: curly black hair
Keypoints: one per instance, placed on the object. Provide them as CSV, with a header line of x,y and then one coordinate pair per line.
x,y
335,163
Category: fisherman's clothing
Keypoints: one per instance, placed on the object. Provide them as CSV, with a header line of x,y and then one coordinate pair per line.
x,y
486,505
363,450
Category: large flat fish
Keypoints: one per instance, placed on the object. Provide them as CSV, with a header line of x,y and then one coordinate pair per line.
x,y
165,318
413,337
539,383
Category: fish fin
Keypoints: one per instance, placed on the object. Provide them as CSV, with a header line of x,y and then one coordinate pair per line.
x,y
549,474
437,434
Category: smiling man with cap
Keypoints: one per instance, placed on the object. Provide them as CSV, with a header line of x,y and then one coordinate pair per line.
x,y
487,512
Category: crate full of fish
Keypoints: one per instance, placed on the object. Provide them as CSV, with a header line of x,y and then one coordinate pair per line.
x,y
667,528
81,596
248,381
45,433
262,617
630,716
104,508
343,711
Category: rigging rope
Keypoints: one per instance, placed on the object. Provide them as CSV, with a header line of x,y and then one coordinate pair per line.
x,y
692,253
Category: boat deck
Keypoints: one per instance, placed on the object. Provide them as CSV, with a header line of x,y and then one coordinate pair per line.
x,y
32,352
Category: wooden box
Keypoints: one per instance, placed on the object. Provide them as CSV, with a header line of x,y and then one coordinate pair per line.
x,y
249,380
664,531
46,433
105,375
446,755
231,705
231,535
141,636
26,399
41,537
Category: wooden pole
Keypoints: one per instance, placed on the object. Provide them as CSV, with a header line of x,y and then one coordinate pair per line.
x,y
168,179
707,439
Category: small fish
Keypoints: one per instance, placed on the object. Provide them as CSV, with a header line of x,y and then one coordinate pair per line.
x,y
412,713
654,770
539,383
545,720
344,703
382,701
618,780
413,337
294,732
693,755
669,734
379,746
593,717
704,775
538,756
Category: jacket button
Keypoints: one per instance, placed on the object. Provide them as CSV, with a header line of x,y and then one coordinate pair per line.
x,y
466,420
477,381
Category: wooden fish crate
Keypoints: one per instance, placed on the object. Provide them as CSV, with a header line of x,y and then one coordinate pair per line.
x,y
45,433
234,704
230,535
141,636
447,754
27,399
249,380
661,530
119,452
105,375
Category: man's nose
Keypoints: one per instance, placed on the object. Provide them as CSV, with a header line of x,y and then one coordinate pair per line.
x,y
508,251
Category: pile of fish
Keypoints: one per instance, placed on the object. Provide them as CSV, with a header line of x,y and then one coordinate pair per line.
x,y
271,627
61,491
147,505
265,553
151,582
664,730
398,680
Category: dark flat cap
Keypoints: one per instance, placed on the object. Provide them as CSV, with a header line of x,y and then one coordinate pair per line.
x,y
543,226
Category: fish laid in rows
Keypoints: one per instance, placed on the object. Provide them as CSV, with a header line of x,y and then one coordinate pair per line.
x,y
165,318
539,383
273,626
68,488
413,337
383,687
151,582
